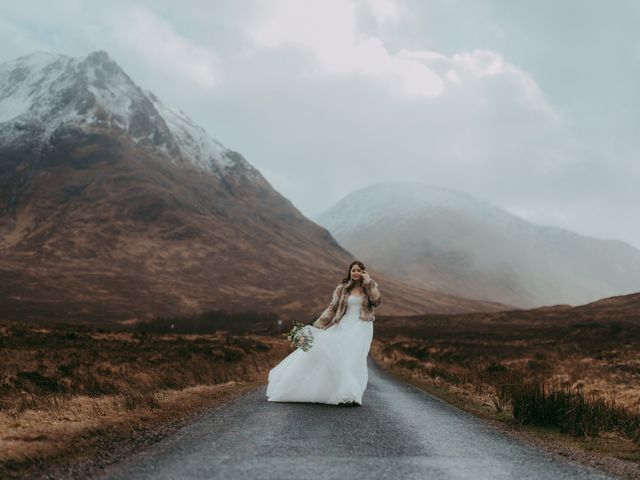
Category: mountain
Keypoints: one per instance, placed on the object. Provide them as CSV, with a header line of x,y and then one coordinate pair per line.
x,y
117,208
620,306
448,241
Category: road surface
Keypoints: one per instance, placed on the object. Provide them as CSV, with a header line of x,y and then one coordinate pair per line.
x,y
399,432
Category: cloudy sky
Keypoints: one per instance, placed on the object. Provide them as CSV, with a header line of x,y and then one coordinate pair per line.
x,y
531,105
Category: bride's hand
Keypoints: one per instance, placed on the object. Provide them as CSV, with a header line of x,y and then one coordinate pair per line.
x,y
365,276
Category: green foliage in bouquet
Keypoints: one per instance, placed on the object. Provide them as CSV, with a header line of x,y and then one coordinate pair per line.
x,y
300,336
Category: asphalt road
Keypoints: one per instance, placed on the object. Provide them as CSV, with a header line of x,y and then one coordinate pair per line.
x,y
399,432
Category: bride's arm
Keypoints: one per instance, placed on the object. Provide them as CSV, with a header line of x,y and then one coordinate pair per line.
x,y
330,311
371,289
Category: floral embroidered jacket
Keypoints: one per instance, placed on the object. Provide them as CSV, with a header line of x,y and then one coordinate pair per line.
x,y
371,297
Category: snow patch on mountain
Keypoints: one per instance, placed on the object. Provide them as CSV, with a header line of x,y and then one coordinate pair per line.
x,y
195,142
43,92
396,202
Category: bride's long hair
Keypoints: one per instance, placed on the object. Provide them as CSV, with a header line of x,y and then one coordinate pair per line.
x,y
348,279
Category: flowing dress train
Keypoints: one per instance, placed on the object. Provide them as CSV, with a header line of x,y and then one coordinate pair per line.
x,y
333,370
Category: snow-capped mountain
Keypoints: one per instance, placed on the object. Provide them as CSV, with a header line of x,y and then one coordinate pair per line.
x,y
42,93
115,207
449,241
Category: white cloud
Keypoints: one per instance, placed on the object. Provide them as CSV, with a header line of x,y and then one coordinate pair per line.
x,y
329,30
453,76
384,10
156,43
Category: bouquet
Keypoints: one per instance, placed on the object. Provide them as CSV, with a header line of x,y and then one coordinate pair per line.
x,y
300,336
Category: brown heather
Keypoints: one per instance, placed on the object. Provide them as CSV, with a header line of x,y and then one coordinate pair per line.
x,y
67,391
575,369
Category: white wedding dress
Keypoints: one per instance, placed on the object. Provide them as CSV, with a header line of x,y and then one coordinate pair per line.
x,y
333,370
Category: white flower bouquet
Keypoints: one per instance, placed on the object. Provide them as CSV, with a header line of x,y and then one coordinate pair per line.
x,y
300,336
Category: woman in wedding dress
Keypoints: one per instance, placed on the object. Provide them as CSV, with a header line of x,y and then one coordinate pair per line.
x,y
334,369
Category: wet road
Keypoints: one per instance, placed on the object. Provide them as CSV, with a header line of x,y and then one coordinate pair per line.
x,y
398,432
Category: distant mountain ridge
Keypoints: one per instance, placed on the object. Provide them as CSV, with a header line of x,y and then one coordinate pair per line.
x,y
449,241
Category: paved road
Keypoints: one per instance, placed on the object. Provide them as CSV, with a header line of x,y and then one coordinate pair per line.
x,y
398,433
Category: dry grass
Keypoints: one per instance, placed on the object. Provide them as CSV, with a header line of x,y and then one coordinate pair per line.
x,y
580,378
65,389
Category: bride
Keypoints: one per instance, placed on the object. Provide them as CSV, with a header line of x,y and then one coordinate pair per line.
x,y
334,369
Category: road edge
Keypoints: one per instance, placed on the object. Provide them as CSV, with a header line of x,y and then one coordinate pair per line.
x,y
560,447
